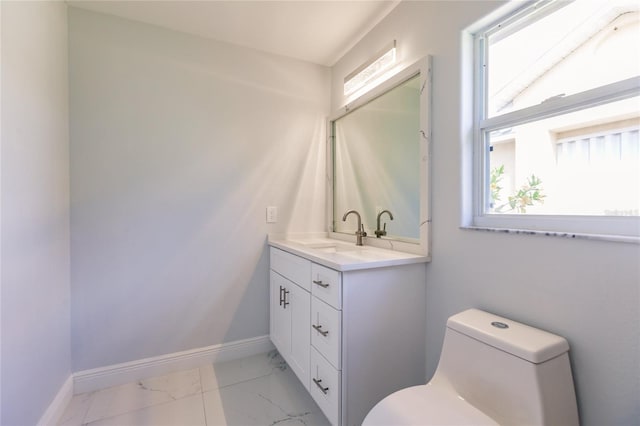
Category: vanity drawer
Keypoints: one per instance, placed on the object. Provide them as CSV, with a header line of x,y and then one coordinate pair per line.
x,y
327,285
326,331
295,268
325,387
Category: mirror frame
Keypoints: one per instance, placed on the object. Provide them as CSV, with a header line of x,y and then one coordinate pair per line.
x,y
423,245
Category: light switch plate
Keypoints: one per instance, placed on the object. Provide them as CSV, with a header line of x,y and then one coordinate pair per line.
x,y
272,214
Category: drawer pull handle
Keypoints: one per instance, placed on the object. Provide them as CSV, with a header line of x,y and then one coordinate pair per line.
x,y
281,298
284,298
323,389
320,283
319,330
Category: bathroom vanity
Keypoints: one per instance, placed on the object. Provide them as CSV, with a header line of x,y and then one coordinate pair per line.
x,y
349,320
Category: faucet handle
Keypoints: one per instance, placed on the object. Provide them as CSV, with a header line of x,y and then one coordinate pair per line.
x,y
362,231
381,232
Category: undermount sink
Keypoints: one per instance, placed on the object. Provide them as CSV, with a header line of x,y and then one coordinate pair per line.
x,y
331,247
319,245
337,249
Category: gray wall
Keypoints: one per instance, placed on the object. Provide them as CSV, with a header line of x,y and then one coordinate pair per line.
x,y
178,144
35,209
587,291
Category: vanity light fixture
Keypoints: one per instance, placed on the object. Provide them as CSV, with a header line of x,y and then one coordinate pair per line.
x,y
372,70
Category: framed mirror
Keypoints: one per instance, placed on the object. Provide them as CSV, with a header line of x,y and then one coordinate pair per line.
x,y
380,163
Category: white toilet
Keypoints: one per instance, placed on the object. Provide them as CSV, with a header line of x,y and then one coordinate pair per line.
x,y
492,371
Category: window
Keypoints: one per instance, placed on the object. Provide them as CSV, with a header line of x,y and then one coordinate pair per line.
x,y
557,119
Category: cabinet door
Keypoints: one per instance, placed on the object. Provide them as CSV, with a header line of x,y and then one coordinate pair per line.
x,y
300,308
280,315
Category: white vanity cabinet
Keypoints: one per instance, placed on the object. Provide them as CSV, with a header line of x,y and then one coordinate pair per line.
x,y
290,308
366,331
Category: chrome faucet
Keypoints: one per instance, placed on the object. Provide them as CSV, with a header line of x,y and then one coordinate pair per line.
x,y
380,232
360,231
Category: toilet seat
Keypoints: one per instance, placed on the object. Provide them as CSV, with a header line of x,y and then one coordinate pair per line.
x,y
426,405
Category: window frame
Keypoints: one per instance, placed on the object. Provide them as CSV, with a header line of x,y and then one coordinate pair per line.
x,y
619,228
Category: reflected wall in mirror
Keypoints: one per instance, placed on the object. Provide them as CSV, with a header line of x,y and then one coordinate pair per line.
x,y
377,163
381,160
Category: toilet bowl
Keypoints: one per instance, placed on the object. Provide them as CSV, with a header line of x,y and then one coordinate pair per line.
x,y
492,371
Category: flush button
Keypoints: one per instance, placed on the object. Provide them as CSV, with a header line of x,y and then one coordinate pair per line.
x,y
499,324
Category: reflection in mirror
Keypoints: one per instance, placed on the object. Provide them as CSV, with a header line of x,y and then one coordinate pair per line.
x,y
377,163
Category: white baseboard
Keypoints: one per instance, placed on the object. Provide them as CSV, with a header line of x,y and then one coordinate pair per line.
x,y
56,409
118,374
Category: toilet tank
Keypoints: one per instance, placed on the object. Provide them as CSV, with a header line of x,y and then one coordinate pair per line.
x,y
514,373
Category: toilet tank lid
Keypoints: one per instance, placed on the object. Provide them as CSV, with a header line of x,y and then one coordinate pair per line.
x,y
518,339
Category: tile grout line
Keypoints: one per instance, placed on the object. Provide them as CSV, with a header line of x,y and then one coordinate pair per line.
x,y
86,411
204,410
237,383
65,419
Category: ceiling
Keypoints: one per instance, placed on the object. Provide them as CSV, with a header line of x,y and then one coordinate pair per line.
x,y
315,31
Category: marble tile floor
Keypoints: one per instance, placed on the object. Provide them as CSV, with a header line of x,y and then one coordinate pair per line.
x,y
258,390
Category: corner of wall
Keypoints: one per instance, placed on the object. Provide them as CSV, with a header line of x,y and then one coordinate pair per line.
x,y
53,414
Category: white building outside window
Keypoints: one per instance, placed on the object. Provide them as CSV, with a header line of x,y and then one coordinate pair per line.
x,y
557,119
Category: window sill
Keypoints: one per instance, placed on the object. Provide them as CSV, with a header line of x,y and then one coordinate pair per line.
x,y
569,235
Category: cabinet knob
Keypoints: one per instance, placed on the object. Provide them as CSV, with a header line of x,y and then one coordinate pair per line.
x,y
322,388
320,283
319,330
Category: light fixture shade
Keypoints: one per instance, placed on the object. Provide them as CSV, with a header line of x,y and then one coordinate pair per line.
x,y
371,70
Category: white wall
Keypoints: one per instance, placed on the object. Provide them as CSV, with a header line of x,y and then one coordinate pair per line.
x,y
35,209
178,144
587,291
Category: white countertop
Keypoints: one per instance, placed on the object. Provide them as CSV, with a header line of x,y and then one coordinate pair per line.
x,y
342,256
